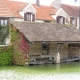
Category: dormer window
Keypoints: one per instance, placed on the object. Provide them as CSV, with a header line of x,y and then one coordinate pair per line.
x,y
73,21
29,16
60,20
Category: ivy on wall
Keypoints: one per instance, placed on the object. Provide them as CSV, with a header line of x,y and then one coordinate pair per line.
x,y
17,51
20,47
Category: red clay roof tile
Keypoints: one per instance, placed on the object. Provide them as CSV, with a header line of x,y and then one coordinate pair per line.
x,y
14,7
43,12
4,11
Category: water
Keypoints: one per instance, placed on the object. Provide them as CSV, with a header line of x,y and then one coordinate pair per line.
x,y
63,71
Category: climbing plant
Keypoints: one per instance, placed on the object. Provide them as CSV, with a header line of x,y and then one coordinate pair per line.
x,y
17,51
20,47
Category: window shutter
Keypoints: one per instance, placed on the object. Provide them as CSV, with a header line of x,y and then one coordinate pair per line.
x,y
58,19
0,22
25,16
75,22
63,20
33,17
70,20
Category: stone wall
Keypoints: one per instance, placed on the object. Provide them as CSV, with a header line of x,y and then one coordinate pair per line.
x,y
35,50
65,52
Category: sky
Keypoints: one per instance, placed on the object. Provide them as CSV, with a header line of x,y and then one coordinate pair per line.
x,y
48,2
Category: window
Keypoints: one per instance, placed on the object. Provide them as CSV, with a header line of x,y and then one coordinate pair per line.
x,y
29,17
45,47
73,21
60,20
3,22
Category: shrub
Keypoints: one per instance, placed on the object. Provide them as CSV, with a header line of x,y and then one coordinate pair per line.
x,y
6,55
20,47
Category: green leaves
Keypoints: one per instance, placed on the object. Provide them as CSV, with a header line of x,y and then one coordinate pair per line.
x,y
5,56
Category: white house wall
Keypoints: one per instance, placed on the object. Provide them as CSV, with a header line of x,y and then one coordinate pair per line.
x,y
21,13
77,22
29,9
61,12
18,19
40,21
53,16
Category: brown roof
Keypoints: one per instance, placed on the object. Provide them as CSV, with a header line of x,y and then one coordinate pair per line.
x,y
4,11
71,10
43,12
48,32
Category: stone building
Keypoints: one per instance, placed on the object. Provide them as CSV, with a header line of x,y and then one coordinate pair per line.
x,y
47,40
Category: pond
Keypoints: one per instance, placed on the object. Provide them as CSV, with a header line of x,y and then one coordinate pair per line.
x,y
63,71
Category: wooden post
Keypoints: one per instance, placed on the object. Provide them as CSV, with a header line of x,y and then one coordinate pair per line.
x,y
58,53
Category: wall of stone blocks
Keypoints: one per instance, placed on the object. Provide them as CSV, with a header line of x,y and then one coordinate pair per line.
x,y
65,51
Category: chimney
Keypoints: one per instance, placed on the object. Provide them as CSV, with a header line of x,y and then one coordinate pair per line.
x,y
37,3
57,4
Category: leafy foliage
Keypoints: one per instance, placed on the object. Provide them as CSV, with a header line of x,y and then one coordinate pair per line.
x,y
20,47
17,52
6,55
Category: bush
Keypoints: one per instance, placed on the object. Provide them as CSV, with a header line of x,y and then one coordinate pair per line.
x,y
6,55
5,58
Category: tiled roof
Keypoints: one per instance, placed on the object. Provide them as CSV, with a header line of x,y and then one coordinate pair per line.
x,y
48,32
14,7
43,12
4,11
71,10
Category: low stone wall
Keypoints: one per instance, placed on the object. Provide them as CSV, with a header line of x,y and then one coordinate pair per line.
x,y
35,51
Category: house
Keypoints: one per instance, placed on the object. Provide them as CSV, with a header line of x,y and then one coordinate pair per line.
x,y
5,14
29,12
50,40
55,13
71,11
